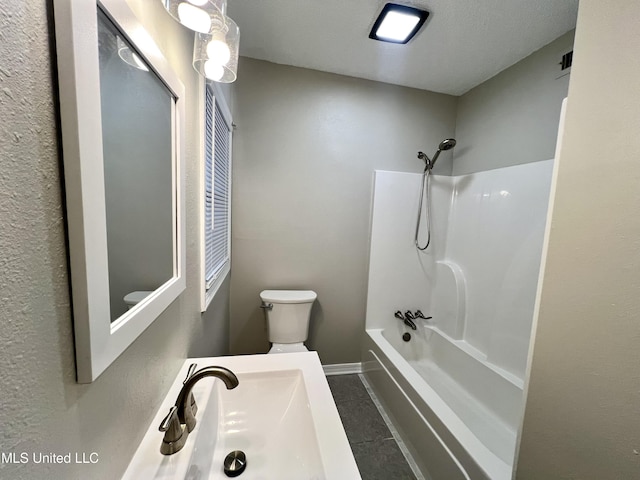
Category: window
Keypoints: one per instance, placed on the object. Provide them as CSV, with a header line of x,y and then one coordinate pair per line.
x,y
216,238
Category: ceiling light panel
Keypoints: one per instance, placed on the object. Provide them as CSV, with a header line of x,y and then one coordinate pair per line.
x,y
398,23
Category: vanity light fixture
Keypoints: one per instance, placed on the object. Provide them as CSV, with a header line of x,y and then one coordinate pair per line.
x,y
215,50
398,23
215,55
197,15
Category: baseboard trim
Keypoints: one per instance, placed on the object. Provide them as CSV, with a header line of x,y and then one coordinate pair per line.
x,y
342,368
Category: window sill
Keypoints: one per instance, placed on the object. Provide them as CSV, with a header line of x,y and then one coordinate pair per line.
x,y
209,294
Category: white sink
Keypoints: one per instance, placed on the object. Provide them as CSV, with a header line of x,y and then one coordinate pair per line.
x,y
281,415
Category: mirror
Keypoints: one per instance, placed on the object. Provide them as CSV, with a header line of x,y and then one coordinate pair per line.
x,y
136,141
122,113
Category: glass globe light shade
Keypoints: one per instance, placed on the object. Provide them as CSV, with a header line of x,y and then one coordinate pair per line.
x,y
210,55
198,15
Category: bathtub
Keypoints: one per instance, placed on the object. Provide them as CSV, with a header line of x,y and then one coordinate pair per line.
x,y
457,413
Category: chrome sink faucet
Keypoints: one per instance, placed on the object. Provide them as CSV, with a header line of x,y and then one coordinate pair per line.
x,y
181,419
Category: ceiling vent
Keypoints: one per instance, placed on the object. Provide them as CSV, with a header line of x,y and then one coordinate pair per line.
x,y
567,60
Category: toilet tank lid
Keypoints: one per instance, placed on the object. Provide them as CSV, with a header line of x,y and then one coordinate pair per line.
x,y
288,296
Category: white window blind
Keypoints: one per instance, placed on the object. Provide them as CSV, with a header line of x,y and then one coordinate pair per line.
x,y
217,189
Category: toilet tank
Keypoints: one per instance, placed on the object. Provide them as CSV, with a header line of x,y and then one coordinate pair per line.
x,y
288,320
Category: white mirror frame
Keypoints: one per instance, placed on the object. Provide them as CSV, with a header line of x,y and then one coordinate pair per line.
x,y
98,341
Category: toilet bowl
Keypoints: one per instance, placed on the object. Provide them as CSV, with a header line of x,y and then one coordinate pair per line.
x,y
288,313
133,298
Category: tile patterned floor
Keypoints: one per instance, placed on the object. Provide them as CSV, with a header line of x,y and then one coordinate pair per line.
x,y
376,452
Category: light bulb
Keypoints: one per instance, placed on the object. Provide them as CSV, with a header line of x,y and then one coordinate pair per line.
x,y
218,51
194,18
213,71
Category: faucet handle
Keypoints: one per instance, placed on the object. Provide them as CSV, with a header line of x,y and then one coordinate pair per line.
x,y
409,315
399,315
419,314
167,421
174,436
192,399
192,368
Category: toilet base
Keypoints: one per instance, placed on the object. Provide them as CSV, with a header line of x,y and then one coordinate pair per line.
x,y
288,348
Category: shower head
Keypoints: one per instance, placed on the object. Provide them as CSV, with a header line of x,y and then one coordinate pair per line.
x,y
446,144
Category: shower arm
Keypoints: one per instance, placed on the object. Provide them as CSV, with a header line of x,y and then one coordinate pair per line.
x,y
428,163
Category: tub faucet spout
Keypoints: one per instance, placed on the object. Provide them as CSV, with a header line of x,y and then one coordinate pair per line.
x,y
406,318
409,320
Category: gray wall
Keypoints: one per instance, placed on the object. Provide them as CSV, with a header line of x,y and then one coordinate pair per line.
x,y
581,419
43,409
513,117
304,153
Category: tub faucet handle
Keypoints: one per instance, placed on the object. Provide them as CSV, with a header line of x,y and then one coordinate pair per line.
x,y
399,315
419,314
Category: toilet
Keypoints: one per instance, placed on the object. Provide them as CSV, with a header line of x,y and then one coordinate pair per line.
x,y
288,313
133,298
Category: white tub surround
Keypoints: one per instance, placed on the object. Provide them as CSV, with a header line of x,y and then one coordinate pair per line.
x,y
478,278
281,415
455,389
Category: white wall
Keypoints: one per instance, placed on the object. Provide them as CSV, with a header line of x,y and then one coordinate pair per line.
x,y
512,118
43,409
305,149
581,419
489,227
495,235
400,276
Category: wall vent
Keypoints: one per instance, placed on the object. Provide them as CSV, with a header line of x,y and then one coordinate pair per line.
x,y
567,60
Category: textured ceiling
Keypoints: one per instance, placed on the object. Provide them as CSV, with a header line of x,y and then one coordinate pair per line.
x,y
463,43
